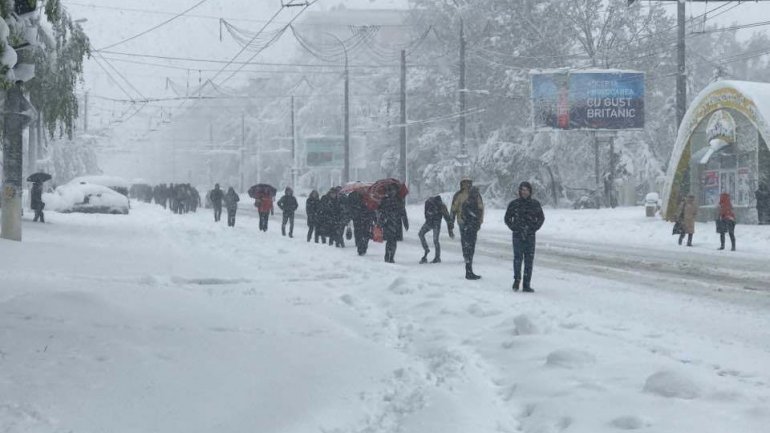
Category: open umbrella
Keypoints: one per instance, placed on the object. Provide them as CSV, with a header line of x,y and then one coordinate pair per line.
x,y
262,189
379,189
38,177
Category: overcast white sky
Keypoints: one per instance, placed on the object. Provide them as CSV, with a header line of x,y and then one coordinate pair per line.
x,y
197,36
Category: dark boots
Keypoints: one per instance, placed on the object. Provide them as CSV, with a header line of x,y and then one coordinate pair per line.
x,y
516,285
469,275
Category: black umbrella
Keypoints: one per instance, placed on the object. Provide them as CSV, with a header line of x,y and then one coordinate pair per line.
x,y
39,177
262,189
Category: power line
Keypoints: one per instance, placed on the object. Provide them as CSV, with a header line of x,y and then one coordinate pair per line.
x,y
180,14
211,17
304,8
220,61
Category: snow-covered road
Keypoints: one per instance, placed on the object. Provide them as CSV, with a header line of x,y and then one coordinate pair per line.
x,y
162,323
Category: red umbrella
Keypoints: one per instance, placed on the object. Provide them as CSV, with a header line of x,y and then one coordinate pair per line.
x,y
379,189
362,187
262,189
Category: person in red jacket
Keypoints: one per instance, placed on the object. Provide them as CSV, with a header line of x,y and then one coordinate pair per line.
x,y
726,220
264,205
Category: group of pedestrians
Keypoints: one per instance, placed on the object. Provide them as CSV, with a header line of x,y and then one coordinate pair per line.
x,y
229,200
684,225
329,218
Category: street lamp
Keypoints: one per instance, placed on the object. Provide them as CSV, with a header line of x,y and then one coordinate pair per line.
x,y
346,169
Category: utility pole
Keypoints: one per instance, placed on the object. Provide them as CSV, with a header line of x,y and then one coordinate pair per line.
x,y
243,149
402,154
681,71
346,171
681,76
85,113
463,156
14,122
294,167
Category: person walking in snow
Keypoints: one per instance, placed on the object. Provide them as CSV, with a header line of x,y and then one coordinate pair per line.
x,y
36,201
393,220
231,200
330,212
457,202
524,217
216,195
288,204
726,220
472,217
435,210
762,195
688,212
363,220
313,217
264,205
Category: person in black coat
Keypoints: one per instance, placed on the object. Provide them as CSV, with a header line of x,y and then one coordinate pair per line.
x,y
393,220
363,221
435,210
216,195
231,200
36,202
473,217
524,217
330,215
288,204
762,195
312,210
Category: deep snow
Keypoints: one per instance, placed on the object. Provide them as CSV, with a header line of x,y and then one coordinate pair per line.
x,y
167,323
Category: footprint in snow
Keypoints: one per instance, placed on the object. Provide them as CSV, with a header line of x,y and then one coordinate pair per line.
x,y
569,358
672,384
629,422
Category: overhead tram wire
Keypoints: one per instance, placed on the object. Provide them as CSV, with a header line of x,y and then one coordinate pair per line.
x,y
211,17
155,27
304,8
217,61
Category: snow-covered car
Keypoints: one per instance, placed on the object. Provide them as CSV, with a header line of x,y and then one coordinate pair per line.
x,y
86,198
117,184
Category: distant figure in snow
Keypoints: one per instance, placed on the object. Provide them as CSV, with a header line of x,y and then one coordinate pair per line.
x,y
231,200
763,203
524,217
36,202
472,216
726,220
264,205
363,221
435,210
330,212
457,202
288,204
393,220
313,217
686,215
216,195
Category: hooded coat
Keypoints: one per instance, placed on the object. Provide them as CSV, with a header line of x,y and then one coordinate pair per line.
x,y
524,216
393,218
688,212
459,199
288,203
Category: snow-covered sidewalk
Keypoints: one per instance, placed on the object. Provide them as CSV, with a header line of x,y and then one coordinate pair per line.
x,y
167,323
